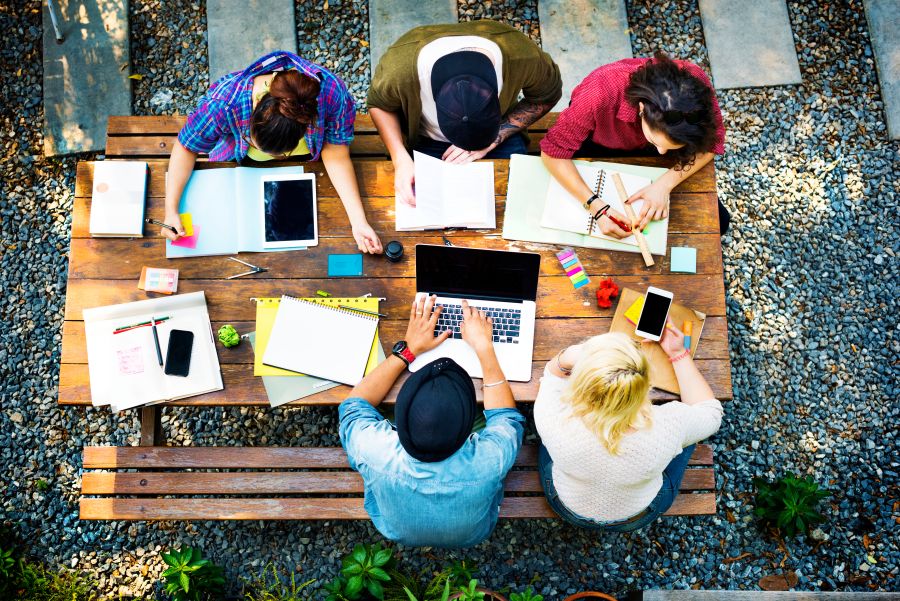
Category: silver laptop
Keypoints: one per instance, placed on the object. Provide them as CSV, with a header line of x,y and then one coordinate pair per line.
x,y
499,282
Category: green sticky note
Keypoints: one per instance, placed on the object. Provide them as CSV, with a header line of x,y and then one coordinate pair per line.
x,y
684,259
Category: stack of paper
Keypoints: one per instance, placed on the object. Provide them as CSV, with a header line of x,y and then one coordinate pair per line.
x,y
117,199
449,195
124,369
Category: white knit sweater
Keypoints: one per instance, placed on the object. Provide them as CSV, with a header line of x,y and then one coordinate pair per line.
x,y
595,484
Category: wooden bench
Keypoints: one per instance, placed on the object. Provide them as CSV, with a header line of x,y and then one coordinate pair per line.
x,y
291,483
153,136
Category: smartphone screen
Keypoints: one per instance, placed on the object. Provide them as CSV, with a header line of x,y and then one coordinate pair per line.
x,y
178,355
653,316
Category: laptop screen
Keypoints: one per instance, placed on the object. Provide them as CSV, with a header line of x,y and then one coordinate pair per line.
x,y
476,272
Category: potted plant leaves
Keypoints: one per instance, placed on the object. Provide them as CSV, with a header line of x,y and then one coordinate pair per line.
x,y
590,595
472,592
364,573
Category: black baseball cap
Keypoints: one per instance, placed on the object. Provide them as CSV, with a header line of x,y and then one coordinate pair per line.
x,y
464,86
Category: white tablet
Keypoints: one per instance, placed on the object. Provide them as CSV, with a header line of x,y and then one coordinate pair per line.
x,y
289,211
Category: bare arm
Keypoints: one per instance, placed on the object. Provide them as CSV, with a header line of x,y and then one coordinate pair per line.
x,y
672,178
388,126
340,169
181,165
694,388
520,118
476,330
656,195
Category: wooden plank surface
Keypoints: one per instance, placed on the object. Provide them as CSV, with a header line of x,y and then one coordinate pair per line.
x,y
289,483
266,457
316,508
105,272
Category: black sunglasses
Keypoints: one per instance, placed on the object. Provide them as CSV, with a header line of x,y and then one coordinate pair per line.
x,y
676,117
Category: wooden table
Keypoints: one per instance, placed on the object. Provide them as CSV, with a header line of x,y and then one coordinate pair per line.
x,y
105,271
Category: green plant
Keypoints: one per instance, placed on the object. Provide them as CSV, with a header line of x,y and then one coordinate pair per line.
x,y
7,561
527,595
42,485
365,568
274,585
445,595
35,582
190,577
789,504
470,592
335,589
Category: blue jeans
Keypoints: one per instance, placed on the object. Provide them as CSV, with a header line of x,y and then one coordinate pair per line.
x,y
515,144
672,476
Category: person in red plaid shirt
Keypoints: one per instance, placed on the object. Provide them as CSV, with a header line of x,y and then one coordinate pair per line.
x,y
281,107
633,104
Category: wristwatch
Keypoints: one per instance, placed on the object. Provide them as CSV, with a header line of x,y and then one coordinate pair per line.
x,y
587,203
401,349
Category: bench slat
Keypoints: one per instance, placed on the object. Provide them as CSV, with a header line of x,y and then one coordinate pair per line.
x,y
316,509
250,483
264,457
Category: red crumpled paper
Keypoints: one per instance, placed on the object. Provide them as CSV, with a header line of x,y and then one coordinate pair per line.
x,y
607,290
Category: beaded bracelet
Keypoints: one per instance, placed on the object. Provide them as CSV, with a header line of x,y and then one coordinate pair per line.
x,y
676,358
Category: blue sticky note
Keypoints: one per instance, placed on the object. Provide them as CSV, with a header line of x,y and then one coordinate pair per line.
x,y
345,265
684,259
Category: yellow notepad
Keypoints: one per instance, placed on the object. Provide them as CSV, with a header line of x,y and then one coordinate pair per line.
x,y
267,308
633,314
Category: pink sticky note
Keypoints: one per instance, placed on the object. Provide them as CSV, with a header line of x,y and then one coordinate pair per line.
x,y
188,241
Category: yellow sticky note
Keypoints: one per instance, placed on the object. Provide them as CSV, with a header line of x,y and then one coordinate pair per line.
x,y
187,223
633,314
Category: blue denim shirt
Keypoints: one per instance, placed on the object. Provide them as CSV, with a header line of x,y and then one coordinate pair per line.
x,y
449,503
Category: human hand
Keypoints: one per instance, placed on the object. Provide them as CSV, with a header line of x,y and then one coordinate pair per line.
x,y
174,220
366,239
405,180
672,340
458,156
608,225
477,329
656,202
423,317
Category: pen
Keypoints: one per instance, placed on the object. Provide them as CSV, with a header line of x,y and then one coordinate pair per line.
x,y
161,224
156,341
688,330
363,311
619,222
138,325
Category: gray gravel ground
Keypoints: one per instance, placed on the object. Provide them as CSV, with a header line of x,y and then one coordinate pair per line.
x,y
811,278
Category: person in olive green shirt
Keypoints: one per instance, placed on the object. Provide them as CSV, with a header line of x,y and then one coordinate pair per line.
x,y
452,92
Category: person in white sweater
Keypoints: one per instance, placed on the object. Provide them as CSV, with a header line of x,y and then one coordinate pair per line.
x,y
610,459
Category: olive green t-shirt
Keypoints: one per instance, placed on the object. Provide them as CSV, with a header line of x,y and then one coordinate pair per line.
x,y
526,69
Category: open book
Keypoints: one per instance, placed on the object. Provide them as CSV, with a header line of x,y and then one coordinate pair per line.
x,y
449,195
123,366
563,211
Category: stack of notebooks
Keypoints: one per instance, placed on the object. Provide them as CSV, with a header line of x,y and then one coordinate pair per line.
x,y
122,359
448,195
117,199
303,346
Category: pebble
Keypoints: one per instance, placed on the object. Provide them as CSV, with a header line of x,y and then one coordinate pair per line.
x,y
812,330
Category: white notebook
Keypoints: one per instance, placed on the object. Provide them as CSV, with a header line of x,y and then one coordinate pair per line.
x,y
320,340
449,195
562,211
117,199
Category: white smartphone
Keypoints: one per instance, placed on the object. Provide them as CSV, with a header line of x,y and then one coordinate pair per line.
x,y
654,313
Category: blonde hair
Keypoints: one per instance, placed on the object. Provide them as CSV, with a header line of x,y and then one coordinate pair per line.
x,y
609,388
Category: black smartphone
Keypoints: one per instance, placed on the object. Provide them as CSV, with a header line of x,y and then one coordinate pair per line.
x,y
178,355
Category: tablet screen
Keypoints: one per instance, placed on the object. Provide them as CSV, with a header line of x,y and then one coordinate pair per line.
x,y
289,210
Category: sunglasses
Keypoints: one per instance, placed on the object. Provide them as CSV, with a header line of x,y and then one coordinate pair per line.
x,y
676,117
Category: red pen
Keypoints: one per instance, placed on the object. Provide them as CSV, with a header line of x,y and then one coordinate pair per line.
x,y
620,223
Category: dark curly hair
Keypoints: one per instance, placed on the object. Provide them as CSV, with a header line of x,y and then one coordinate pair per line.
x,y
663,86
282,116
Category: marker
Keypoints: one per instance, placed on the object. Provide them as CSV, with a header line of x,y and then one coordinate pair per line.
x,y
363,311
163,225
156,341
688,330
138,325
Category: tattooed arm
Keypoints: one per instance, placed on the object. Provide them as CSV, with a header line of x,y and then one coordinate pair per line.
x,y
519,119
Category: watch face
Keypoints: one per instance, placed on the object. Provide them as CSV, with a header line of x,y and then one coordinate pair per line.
x,y
399,347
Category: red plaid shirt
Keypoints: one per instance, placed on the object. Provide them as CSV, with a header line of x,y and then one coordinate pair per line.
x,y
598,110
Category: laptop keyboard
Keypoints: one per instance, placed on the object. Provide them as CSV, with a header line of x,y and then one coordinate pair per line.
x,y
506,322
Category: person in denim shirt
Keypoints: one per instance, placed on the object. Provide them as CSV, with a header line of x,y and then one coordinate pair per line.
x,y
429,480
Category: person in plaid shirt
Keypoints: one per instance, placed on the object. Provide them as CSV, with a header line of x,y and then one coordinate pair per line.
x,y
632,104
282,106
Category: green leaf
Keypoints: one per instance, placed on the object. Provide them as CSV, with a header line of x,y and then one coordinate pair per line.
x,y
359,554
382,557
379,574
354,587
184,581
352,570
375,589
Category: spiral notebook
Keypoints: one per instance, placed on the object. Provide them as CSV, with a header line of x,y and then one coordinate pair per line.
x,y
320,340
562,211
